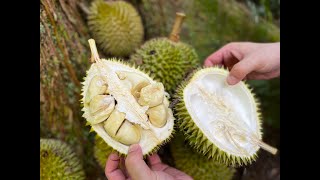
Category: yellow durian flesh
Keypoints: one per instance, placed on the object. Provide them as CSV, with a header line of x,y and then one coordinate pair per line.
x,y
128,123
96,87
151,95
158,115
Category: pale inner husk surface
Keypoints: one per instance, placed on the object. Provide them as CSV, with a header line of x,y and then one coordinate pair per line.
x,y
227,115
150,136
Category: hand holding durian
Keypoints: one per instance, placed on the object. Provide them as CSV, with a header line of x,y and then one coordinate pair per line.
x,y
248,60
125,106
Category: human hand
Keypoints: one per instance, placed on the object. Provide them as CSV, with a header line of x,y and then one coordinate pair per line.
x,y
136,169
247,60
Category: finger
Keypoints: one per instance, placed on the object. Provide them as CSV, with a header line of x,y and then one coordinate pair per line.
x,y
240,70
177,174
227,55
154,160
135,164
123,167
112,171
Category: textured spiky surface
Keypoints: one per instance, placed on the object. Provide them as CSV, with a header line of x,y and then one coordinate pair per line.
x,y
116,26
195,165
58,161
118,62
193,134
168,61
101,151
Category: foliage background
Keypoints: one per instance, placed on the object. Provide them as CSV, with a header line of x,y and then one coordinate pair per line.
x,y
209,25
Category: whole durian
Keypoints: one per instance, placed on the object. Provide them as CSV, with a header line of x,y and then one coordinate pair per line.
x,y
101,151
167,58
195,165
220,121
58,161
116,25
125,106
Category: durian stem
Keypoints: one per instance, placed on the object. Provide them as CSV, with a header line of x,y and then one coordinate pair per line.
x,y
267,147
94,51
174,36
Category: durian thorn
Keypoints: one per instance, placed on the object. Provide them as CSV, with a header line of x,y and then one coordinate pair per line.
x,y
94,52
174,36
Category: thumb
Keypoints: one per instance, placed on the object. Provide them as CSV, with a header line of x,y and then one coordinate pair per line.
x,y
240,70
135,165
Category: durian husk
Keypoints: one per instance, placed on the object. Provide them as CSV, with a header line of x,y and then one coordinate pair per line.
x,y
196,165
117,27
58,161
168,61
196,138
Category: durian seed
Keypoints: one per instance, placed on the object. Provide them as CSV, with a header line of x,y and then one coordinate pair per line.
x,y
151,95
158,115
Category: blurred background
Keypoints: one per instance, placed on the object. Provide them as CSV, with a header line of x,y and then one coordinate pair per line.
x,y
209,24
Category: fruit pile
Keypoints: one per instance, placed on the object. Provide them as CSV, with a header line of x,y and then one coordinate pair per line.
x,y
160,89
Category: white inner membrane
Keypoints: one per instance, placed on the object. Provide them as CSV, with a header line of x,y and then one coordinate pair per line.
x,y
227,115
151,136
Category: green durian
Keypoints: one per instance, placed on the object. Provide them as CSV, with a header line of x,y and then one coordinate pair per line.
x,y
101,151
220,121
120,103
58,161
195,165
117,27
167,59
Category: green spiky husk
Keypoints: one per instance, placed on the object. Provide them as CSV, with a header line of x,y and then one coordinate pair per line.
x,y
194,135
116,26
169,61
58,161
134,66
195,165
101,151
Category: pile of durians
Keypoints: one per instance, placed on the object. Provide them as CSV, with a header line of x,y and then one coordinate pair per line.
x,y
163,94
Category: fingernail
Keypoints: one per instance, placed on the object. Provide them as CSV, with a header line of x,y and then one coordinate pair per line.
x,y
231,80
133,147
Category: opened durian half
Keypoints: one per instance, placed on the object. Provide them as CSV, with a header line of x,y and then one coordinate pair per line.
x,y
221,121
124,106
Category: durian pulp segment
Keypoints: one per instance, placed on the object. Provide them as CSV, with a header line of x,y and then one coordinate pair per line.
x,y
151,136
227,115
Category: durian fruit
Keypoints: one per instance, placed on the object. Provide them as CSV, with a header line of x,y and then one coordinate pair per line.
x,y
125,106
58,161
220,121
101,151
196,165
167,58
116,25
